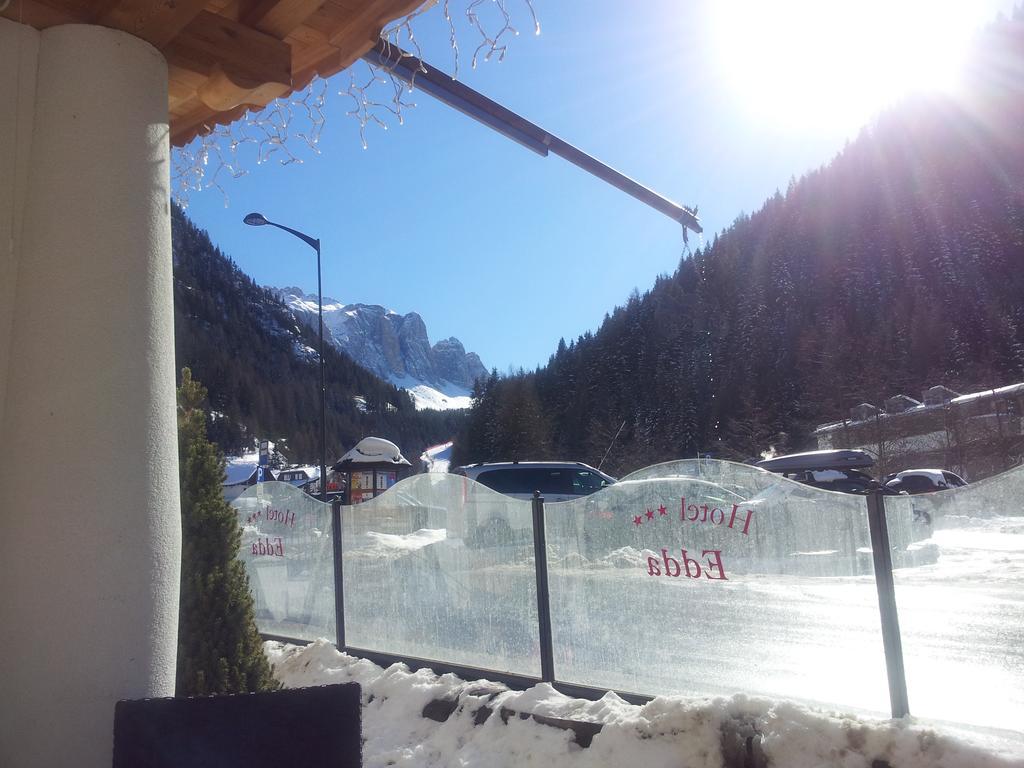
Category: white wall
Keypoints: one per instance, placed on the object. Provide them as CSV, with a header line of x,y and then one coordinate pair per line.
x,y
89,514
19,51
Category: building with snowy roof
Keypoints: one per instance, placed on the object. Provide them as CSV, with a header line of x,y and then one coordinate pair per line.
x,y
300,477
975,434
371,467
241,472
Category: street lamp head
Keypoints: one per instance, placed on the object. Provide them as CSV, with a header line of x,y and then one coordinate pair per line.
x,y
255,220
259,220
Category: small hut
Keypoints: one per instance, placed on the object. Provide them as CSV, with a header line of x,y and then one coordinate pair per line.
x,y
371,467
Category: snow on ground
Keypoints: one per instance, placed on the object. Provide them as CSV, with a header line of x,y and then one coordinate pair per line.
x,y
428,398
668,732
445,398
437,458
385,543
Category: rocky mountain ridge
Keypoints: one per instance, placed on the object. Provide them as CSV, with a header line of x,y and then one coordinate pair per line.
x,y
260,366
396,347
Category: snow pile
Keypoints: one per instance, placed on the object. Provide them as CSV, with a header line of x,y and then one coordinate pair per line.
x,y
382,550
623,558
384,543
628,557
668,732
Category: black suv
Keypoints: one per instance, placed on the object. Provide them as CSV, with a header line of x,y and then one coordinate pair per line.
x,y
840,470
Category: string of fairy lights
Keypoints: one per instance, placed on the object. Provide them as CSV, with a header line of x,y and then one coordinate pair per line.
x,y
290,128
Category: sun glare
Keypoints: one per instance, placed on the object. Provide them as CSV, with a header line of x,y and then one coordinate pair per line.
x,y
817,65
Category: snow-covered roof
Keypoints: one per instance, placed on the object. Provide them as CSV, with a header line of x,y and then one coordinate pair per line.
x,y
1011,389
374,450
311,473
829,427
240,468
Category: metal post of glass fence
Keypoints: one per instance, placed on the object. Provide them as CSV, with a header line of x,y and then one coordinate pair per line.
x,y
882,556
540,559
339,582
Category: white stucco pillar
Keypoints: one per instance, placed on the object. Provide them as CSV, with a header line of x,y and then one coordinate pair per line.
x,y
89,513
19,53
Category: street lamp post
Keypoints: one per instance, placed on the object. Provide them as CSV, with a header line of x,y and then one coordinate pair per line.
x,y
259,220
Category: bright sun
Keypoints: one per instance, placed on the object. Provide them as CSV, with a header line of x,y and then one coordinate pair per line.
x,y
819,65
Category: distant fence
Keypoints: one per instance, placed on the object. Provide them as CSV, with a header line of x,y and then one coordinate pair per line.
x,y
693,577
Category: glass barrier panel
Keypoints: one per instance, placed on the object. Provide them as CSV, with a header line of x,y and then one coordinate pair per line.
x,y
733,580
961,609
440,567
740,478
289,557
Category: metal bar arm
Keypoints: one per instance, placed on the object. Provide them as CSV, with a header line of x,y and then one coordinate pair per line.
x,y
310,241
413,70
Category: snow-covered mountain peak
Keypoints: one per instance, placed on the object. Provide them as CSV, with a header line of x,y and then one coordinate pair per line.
x,y
394,346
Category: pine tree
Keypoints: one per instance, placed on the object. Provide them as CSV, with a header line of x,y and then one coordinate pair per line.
x,y
219,647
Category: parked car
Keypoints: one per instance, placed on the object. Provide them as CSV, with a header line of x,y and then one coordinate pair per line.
x,y
844,471
915,481
488,524
839,470
556,480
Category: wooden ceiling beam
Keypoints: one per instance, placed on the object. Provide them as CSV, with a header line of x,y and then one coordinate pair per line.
x,y
155,22
39,15
100,9
279,17
345,43
191,124
235,58
365,24
225,56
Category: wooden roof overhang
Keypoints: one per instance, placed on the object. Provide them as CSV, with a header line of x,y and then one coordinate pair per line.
x,y
227,56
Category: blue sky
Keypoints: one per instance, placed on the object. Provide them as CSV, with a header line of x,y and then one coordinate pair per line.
x,y
711,104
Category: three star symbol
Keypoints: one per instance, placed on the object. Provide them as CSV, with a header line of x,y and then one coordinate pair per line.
x,y
649,514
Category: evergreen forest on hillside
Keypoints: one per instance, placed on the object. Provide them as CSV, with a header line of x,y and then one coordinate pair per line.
x,y
898,266
261,368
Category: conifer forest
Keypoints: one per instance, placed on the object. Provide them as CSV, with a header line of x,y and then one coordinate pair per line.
x,y
897,266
